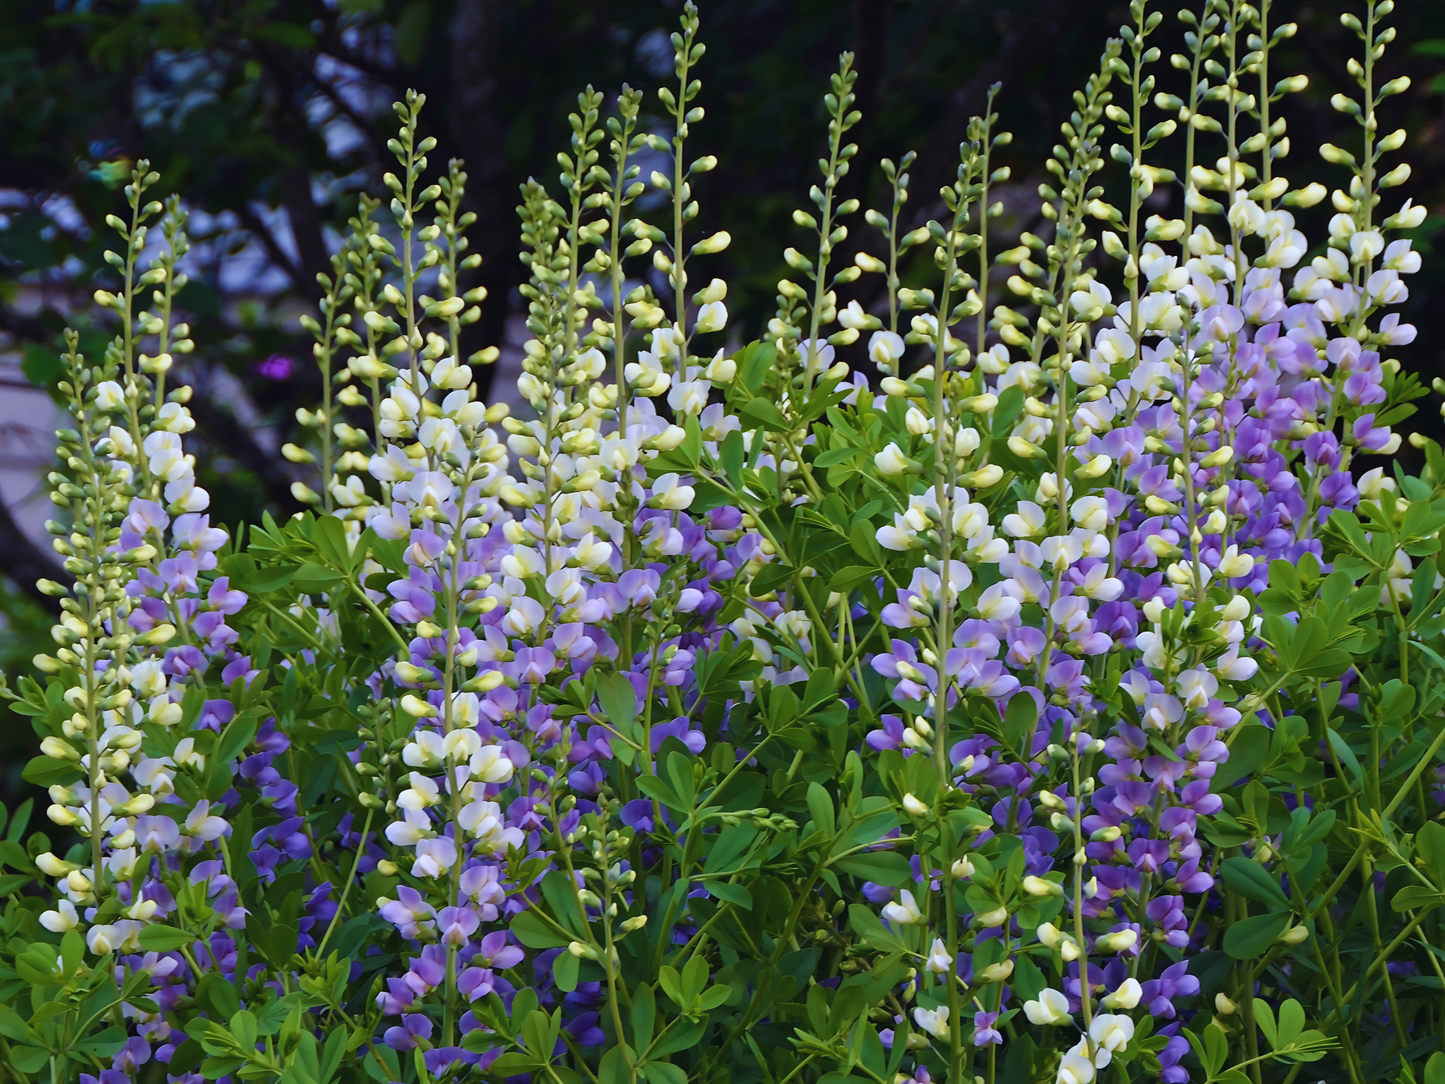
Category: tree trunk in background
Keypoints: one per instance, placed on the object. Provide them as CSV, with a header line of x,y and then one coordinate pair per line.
x,y
477,134
293,178
23,562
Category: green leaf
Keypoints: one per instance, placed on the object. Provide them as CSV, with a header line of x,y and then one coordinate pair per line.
x,y
217,996
1347,758
1252,937
243,1028
1414,898
766,414
46,771
29,1059
735,894
1291,1022
12,1024
612,1069
617,700
1264,1019
1250,880
16,831
820,807
533,932
1248,751
332,1054
867,925
834,456
1435,1068
644,1015
881,867
681,1037
655,788
664,1072
103,1045
1430,844
1019,721
159,938
565,971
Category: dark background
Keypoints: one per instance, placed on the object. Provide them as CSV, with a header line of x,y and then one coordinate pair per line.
x,y
269,117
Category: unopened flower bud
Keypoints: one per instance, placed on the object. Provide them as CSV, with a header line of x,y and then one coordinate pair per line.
x,y
1119,941
997,972
1038,886
51,866
989,919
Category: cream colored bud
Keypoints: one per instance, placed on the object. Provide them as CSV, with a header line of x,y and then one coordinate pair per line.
x,y
51,866
1119,941
989,919
417,708
1038,886
997,972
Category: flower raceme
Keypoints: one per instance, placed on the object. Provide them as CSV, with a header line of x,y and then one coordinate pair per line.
x,y
726,706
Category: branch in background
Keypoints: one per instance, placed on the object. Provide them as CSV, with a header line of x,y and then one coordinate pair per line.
x,y
343,108
259,230
225,432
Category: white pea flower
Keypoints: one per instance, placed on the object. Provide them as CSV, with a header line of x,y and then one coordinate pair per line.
x,y
711,317
425,751
1365,245
668,493
933,1021
1091,513
1051,1007
1110,1032
461,744
1026,522
1232,563
109,396
103,939
885,349
63,919
939,961
892,461
1126,996
422,794
488,765
904,911
1076,1067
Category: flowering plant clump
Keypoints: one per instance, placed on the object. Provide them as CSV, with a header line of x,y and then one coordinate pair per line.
x,y
1053,695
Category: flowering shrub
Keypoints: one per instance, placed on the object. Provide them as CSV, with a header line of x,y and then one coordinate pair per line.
x,y
1059,699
